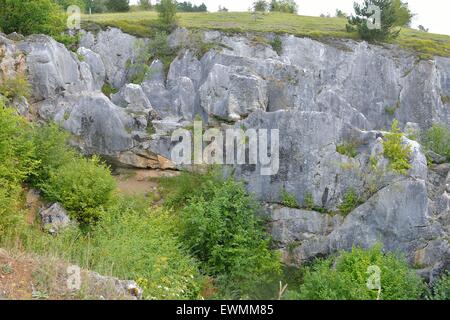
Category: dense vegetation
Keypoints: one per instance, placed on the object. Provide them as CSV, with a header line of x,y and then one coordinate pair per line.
x,y
437,139
396,150
31,16
345,277
392,14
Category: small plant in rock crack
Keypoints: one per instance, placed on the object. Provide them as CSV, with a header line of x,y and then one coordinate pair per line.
x,y
289,200
396,151
350,202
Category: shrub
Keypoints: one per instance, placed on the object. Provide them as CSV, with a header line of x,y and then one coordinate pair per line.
x,y
346,277
286,6
51,152
289,200
350,202
220,226
118,5
160,49
109,90
130,242
31,16
308,201
277,44
402,12
179,191
441,288
16,149
15,87
347,149
260,5
167,14
10,210
142,245
389,20
82,186
395,151
16,164
437,139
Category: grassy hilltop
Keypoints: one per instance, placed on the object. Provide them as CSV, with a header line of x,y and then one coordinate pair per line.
x,y
140,23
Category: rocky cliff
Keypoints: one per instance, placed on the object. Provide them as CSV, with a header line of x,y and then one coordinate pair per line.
x,y
318,94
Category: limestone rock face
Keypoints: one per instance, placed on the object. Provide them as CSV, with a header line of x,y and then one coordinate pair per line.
x,y
321,96
116,50
54,218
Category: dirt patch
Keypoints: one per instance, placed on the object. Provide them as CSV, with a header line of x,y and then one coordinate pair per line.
x,y
141,182
30,277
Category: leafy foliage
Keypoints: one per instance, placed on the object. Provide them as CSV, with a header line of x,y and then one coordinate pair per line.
x,y
277,44
286,6
51,152
350,202
402,12
346,277
15,87
187,6
260,5
167,14
220,226
82,186
441,288
395,151
289,200
118,5
348,149
31,16
437,139
16,163
363,14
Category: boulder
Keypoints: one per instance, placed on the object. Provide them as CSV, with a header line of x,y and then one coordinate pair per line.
x,y
54,218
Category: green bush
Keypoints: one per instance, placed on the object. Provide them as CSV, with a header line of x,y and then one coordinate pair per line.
x,y
167,14
16,163
348,149
109,90
130,242
346,277
395,151
31,16
51,152
441,288
179,191
10,210
142,245
220,226
437,139
350,202
118,5
286,6
82,186
389,20
288,200
277,44
15,87
16,149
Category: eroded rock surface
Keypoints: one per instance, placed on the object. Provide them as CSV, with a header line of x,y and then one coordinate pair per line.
x,y
320,95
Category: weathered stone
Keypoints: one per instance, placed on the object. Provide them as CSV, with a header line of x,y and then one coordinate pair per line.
x,y
54,218
116,49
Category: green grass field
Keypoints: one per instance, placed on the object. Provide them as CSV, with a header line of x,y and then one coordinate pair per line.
x,y
142,23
